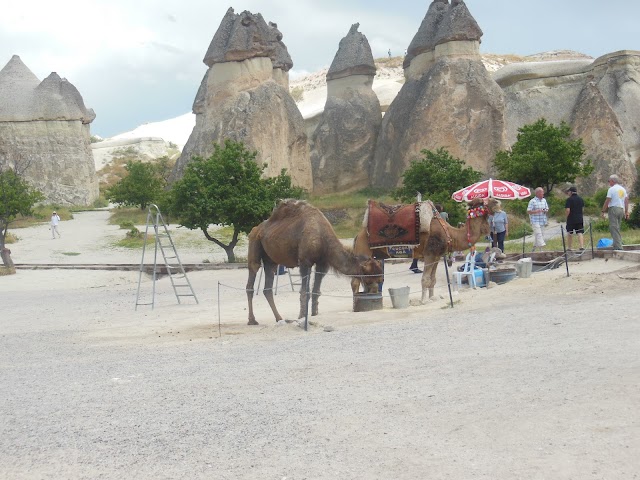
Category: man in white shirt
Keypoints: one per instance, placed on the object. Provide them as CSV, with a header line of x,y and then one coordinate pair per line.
x,y
55,220
537,210
617,206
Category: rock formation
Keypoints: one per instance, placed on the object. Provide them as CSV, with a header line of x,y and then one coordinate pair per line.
x,y
343,143
448,100
599,99
47,124
244,96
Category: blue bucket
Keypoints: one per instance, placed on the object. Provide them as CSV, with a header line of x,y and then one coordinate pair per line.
x,y
605,242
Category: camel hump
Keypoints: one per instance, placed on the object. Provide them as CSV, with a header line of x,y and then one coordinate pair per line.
x,y
290,207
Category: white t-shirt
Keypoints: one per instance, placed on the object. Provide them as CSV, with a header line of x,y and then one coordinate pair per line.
x,y
55,219
616,194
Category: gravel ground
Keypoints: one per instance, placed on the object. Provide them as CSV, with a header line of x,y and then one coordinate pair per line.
x,y
535,379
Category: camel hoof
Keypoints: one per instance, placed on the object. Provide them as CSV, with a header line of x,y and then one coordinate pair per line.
x,y
252,322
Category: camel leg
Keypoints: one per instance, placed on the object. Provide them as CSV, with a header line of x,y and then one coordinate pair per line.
x,y
428,278
254,262
321,271
305,277
355,284
269,274
250,284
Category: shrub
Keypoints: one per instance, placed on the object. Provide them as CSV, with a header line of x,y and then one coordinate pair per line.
x,y
127,224
134,233
297,93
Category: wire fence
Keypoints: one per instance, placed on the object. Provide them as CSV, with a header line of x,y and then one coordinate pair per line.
x,y
336,285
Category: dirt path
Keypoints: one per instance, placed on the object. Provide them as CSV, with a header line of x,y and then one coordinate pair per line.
x,y
537,378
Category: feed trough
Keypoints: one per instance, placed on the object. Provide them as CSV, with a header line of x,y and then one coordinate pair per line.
x,y
503,275
366,302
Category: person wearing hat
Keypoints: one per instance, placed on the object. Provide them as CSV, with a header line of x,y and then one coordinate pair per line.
x,y
617,206
573,208
55,220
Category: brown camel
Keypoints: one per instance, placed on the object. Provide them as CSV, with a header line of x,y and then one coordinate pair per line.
x,y
442,238
434,242
299,235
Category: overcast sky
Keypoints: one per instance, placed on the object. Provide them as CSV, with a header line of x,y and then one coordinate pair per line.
x,y
139,61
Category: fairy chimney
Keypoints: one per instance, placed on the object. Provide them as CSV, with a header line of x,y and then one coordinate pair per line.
x,y
46,125
244,96
448,99
343,143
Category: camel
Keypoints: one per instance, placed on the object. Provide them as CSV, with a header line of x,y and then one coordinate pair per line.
x,y
441,238
299,235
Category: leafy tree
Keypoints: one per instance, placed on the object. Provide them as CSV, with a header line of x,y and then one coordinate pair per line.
x,y
17,197
228,189
544,155
144,183
436,176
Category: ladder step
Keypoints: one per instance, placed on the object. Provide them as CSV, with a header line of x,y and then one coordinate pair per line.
x,y
186,295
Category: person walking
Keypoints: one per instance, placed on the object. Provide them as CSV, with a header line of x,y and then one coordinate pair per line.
x,y
537,210
499,224
573,208
617,206
55,220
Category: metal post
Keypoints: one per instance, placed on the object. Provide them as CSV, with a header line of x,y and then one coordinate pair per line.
x,y
593,253
219,327
524,237
306,308
446,271
564,247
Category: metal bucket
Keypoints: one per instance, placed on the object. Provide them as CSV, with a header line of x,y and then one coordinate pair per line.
x,y
399,297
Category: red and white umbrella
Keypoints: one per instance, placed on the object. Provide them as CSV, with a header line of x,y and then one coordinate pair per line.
x,y
500,189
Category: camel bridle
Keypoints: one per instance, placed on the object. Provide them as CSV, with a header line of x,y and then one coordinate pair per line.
x,y
474,212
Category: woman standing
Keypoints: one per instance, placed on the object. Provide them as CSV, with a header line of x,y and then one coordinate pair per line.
x,y
499,224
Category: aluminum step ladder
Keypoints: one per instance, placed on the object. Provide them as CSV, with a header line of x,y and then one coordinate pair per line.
x,y
163,242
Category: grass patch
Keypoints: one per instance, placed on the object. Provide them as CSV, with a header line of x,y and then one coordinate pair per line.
x,y
11,238
128,216
629,237
42,214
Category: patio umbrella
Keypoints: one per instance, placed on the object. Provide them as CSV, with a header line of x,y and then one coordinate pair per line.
x,y
500,189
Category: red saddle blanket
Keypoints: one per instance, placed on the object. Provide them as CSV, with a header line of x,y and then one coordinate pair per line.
x,y
390,225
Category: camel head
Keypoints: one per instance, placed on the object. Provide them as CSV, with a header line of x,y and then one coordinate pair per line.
x,y
372,274
478,212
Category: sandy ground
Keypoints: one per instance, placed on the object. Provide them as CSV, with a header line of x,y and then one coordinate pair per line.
x,y
534,379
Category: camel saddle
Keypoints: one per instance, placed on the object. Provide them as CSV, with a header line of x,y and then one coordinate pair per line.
x,y
393,225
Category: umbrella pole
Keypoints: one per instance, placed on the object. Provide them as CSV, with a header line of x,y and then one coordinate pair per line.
x,y
446,270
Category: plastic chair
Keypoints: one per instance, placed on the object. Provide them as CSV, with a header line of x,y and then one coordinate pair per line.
x,y
469,271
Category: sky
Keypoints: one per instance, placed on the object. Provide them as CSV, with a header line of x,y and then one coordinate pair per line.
x,y
136,62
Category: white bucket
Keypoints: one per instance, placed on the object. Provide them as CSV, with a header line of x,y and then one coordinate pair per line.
x,y
524,267
399,297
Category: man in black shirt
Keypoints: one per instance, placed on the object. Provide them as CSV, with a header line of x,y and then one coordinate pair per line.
x,y
573,208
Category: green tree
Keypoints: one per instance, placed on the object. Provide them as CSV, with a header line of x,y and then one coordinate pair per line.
x,y
544,155
143,184
228,189
436,176
17,197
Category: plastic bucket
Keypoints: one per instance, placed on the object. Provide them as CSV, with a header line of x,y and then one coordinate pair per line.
x,y
399,297
524,267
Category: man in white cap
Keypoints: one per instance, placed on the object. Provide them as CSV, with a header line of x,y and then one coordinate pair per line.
x,y
55,220
617,206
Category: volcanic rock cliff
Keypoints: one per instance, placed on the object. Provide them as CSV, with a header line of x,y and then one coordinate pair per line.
x,y
46,125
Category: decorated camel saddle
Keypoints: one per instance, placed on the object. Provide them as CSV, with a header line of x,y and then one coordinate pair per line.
x,y
397,225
